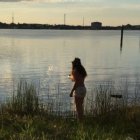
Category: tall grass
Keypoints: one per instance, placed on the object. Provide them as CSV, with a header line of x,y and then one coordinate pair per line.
x,y
110,119
103,99
25,100
113,103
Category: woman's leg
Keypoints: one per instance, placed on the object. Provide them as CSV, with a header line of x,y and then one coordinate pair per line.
x,y
79,107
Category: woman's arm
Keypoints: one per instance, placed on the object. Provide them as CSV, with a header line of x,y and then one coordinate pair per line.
x,y
74,75
74,87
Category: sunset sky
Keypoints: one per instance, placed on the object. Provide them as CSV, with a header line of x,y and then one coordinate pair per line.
x,y
109,12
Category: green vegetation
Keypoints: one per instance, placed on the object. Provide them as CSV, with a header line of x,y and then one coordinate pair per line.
x,y
24,117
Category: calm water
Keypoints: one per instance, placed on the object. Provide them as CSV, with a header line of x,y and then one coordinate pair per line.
x,y
44,56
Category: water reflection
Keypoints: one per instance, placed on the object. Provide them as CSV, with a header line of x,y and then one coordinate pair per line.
x,y
139,44
46,56
120,49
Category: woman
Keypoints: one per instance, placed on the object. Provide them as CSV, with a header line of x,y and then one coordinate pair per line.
x,y
78,75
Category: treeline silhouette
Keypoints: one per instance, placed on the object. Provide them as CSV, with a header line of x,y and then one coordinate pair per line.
x,y
40,26
62,26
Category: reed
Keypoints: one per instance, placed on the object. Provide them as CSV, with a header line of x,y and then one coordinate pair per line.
x,y
25,100
25,117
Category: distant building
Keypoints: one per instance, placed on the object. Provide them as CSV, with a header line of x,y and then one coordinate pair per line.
x,y
96,25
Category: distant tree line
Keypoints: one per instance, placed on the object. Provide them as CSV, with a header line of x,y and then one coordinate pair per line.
x,y
40,26
61,26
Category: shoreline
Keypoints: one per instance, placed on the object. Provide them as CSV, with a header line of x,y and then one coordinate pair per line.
x,y
25,117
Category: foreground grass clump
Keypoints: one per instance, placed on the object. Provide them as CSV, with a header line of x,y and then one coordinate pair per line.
x,y
25,118
51,127
25,101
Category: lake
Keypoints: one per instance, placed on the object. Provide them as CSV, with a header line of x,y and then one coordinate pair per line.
x,y
44,57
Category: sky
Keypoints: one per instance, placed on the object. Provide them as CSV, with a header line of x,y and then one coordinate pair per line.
x,y
109,12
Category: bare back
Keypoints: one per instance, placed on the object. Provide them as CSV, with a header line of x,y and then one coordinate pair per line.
x,y
78,78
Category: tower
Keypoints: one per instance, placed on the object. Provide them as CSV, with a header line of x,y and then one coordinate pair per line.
x,y
83,21
64,19
12,18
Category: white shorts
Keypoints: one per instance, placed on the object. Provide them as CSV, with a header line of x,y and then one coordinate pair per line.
x,y
80,91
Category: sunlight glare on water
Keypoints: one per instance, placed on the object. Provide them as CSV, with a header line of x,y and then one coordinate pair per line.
x,y
44,57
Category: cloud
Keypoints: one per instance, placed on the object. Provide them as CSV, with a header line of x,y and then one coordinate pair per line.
x,y
10,0
48,1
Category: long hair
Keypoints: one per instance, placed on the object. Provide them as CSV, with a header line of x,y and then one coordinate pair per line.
x,y
76,64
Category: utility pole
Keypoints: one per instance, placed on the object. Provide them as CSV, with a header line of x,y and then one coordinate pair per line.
x,y
83,21
121,42
64,19
12,18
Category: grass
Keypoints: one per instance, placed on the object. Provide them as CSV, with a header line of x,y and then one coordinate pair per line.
x,y
25,101
37,127
25,117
